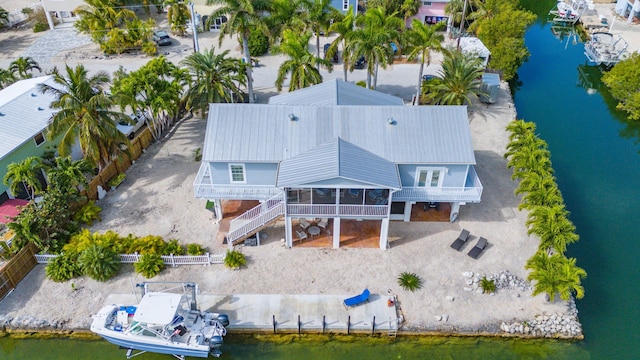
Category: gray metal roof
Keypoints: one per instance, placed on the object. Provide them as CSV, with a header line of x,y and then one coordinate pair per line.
x,y
336,92
24,112
265,133
338,162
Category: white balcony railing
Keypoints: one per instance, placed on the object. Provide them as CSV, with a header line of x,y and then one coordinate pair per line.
x,y
376,211
235,192
471,193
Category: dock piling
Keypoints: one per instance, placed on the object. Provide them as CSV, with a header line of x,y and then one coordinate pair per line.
x,y
274,324
348,324
373,326
324,323
299,324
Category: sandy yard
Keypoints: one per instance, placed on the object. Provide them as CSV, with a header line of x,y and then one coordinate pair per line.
x,y
157,198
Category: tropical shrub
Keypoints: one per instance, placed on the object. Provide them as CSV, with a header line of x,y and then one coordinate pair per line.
x,y
623,80
409,281
555,274
258,43
88,213
149,265
173,247
99,263
62,268
150,244
40,27
6,251
197,154
234,259
116,180
195,249
488,286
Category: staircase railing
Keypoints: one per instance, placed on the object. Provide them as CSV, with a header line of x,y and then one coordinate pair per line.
x,y
255,218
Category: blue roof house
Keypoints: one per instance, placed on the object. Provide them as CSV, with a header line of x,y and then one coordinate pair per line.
x,y
305,158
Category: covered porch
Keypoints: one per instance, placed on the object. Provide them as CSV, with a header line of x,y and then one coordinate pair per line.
x,y
353,234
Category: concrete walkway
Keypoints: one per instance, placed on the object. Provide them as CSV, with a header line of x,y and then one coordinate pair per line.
x,y
256,313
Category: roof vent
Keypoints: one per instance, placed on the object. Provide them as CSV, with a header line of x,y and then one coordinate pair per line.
x,y
293,117
392,121
1,114
33,95
40,108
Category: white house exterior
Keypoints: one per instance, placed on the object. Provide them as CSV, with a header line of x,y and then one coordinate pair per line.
x,y
335,161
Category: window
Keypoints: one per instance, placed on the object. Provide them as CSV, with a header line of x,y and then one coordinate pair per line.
x,y
345,5
236,172
430,177
426,3
39,139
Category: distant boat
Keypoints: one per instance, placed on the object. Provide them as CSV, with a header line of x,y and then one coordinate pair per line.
x,y
568,12
163,322
605,49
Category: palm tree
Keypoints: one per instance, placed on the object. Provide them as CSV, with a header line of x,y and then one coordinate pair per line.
x,y
420,41
6,78
539,190
178,15
529,160
301,65
85,115
343,28
409,8
483,9
286,14
519,128
244,16
22,66
214,79
551,224
98,17
555,274
24,175
373,40
459,82
68,174
318,18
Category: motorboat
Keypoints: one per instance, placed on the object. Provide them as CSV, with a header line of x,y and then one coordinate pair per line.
x,y
162,322
568,11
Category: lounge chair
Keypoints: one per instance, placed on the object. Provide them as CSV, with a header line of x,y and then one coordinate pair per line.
x,y
479,248
301,235
358,299
461,240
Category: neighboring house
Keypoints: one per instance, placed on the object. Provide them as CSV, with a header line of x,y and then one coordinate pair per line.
x,y
431,12
61,10
24,115
306,157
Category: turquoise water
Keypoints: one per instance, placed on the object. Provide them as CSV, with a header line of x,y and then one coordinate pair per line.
x,y
595,154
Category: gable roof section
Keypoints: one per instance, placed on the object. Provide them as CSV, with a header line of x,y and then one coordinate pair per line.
x,y
336,92
338,162
265,133
24,112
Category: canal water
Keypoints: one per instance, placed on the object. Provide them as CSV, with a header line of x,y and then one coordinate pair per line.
x,y
595,154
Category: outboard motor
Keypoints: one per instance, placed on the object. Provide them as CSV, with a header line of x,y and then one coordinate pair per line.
x,y
215,342
223,319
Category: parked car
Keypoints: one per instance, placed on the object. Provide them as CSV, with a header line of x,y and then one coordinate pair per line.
x,y
334,59
360,63
129,128
161,38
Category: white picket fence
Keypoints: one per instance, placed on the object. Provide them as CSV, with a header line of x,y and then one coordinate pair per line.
x,y
171,260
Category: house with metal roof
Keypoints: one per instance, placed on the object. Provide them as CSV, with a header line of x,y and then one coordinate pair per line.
x,y
335,163
24,116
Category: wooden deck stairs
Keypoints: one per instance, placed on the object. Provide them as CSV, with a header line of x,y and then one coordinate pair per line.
x,y
255,219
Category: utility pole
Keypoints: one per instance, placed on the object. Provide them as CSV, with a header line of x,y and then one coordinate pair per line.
x,y
464,10
194,29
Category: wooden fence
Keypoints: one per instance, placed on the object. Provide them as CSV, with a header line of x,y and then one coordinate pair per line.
x,y
17,268
121,164
172,260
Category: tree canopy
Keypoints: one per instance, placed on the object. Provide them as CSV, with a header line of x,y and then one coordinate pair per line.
x,y
623,80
